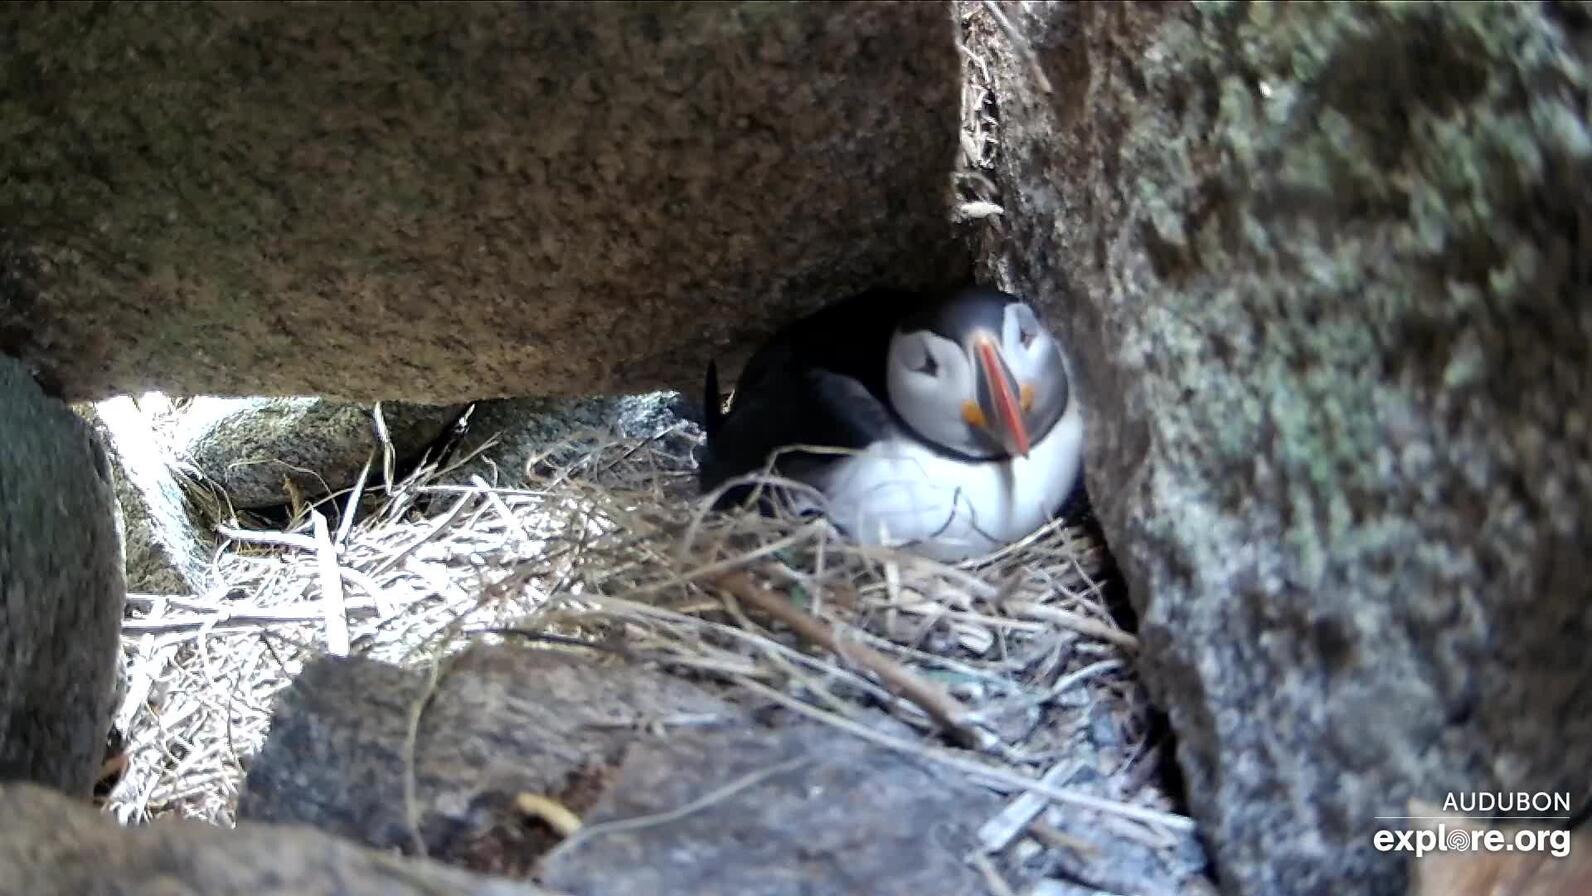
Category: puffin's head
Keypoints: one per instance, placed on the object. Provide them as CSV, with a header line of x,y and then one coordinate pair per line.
x,y
977,373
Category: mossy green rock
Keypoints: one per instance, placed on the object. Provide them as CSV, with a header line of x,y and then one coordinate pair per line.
x,y
1328,269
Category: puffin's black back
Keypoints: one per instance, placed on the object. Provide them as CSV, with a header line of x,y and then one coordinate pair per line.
x,y
792,391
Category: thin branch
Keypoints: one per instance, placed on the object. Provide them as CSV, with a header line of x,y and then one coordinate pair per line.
x,y
335,613
944,709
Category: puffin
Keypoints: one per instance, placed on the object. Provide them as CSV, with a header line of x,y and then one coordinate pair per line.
x,y
944,424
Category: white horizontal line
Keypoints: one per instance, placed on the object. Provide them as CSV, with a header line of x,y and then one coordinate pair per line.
x,y
1473,817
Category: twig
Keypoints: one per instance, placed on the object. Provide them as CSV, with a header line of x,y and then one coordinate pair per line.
x,y
807,682
141,679
992,878
1076,621
500,506
385,441
378,595
351,506
232,623
411,737
995,834
441,523
285,539
1051,836
944,709
1087,672
711,569
331,589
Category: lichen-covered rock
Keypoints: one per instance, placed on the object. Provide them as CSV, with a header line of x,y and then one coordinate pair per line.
x,y
61,589
1327,269
445,202
249,446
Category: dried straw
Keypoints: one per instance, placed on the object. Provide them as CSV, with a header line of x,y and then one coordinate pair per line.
x,y
995,669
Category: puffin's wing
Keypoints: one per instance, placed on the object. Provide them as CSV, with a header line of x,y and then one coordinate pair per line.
x,y
789,408
857,417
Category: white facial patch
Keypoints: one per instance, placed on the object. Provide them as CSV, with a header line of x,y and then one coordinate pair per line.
x,y
1026,361
929,396
1039,365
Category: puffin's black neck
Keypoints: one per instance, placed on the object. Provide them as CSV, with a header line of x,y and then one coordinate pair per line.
x,y
950,453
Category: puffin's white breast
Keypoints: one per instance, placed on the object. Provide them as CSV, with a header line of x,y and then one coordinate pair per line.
x,y
898,491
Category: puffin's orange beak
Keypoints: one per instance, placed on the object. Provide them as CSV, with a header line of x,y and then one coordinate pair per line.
x,y
999,399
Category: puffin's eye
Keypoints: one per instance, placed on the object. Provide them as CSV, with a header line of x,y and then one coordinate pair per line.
x,y
1026,337
928,366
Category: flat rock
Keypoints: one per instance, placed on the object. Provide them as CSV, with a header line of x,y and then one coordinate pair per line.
x,y
1326,270
61,589
441,203
804,811
54,846
502,721
796,810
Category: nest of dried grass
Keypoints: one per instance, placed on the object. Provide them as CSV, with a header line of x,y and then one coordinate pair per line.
x,y
1001,668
